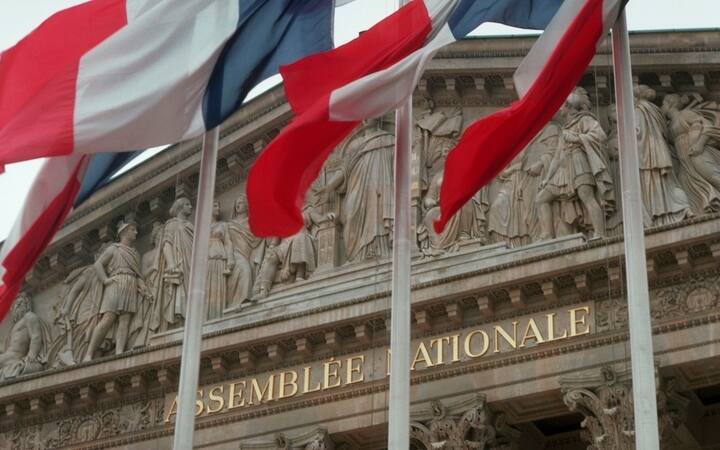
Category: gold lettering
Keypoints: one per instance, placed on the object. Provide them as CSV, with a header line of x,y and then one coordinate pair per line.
x,y
439,350
218,399
284,383
423,356
199,406
172,411
499,331
236,394
306,381
576,319
532,332
551,329
260,394
331,372
352,369
468,343
455,347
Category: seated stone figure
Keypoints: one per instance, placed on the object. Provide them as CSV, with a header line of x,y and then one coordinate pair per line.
x,y
26,346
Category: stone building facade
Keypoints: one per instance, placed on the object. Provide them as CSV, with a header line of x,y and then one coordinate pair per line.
x,y
520,337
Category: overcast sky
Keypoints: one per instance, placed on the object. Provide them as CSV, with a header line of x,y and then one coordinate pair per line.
x,y
17,18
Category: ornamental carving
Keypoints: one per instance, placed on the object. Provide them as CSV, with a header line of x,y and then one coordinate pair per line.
x,y
317,439
461,426
604,398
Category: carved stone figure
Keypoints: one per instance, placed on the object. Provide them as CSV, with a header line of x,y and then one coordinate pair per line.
x,y
302,253
140,326
468,223
664,202
614,222
77,314
366,178
274,265
124,288
577,180
220,265
247,255
512,217
695,131
26,346
173,268
438,133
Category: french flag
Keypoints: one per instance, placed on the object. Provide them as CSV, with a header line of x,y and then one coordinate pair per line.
x,y
547,75
332,92
123,75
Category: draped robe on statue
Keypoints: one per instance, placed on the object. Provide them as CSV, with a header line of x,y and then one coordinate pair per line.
x,y
367,208
686,128
173,266
664,202
247,253
578,164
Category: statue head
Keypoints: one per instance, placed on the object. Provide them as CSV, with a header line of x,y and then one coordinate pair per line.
x,y
241,206
674,102
22,306
644,92
578,100
612,113
181,207
273,241
127,230
216,210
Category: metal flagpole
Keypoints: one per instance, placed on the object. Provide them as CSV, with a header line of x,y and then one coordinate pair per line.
x,y
399,410
641,348
195,310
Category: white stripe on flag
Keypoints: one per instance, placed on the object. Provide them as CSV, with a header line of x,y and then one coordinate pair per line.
x,y
151,75
383,91
49,182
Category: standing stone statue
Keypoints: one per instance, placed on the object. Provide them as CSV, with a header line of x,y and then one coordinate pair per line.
x,y
247,254
366,178
664,202
124,288
26,346
614,222
695,131
438,133
77,314
577,180
302,254
220,265
173,268
468,223
274,262
140,326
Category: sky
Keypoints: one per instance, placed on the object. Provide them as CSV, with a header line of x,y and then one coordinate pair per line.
x,y
18,18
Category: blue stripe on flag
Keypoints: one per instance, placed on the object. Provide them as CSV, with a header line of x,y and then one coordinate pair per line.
x,y
102,167
270,33
532,14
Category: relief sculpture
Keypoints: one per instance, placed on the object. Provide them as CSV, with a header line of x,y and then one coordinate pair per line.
x,y
663,200
695,132
173,268
220,265
578,181
366,181
247,255
27,344
124,289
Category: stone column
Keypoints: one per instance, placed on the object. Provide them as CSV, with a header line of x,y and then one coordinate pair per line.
x,y
604,398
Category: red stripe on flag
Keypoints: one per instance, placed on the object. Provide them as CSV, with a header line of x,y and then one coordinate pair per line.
x,y
489,144
284,171
26,251
38,76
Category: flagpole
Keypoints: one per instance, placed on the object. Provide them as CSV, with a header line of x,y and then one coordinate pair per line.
x,y
641,346
194,312
399,410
